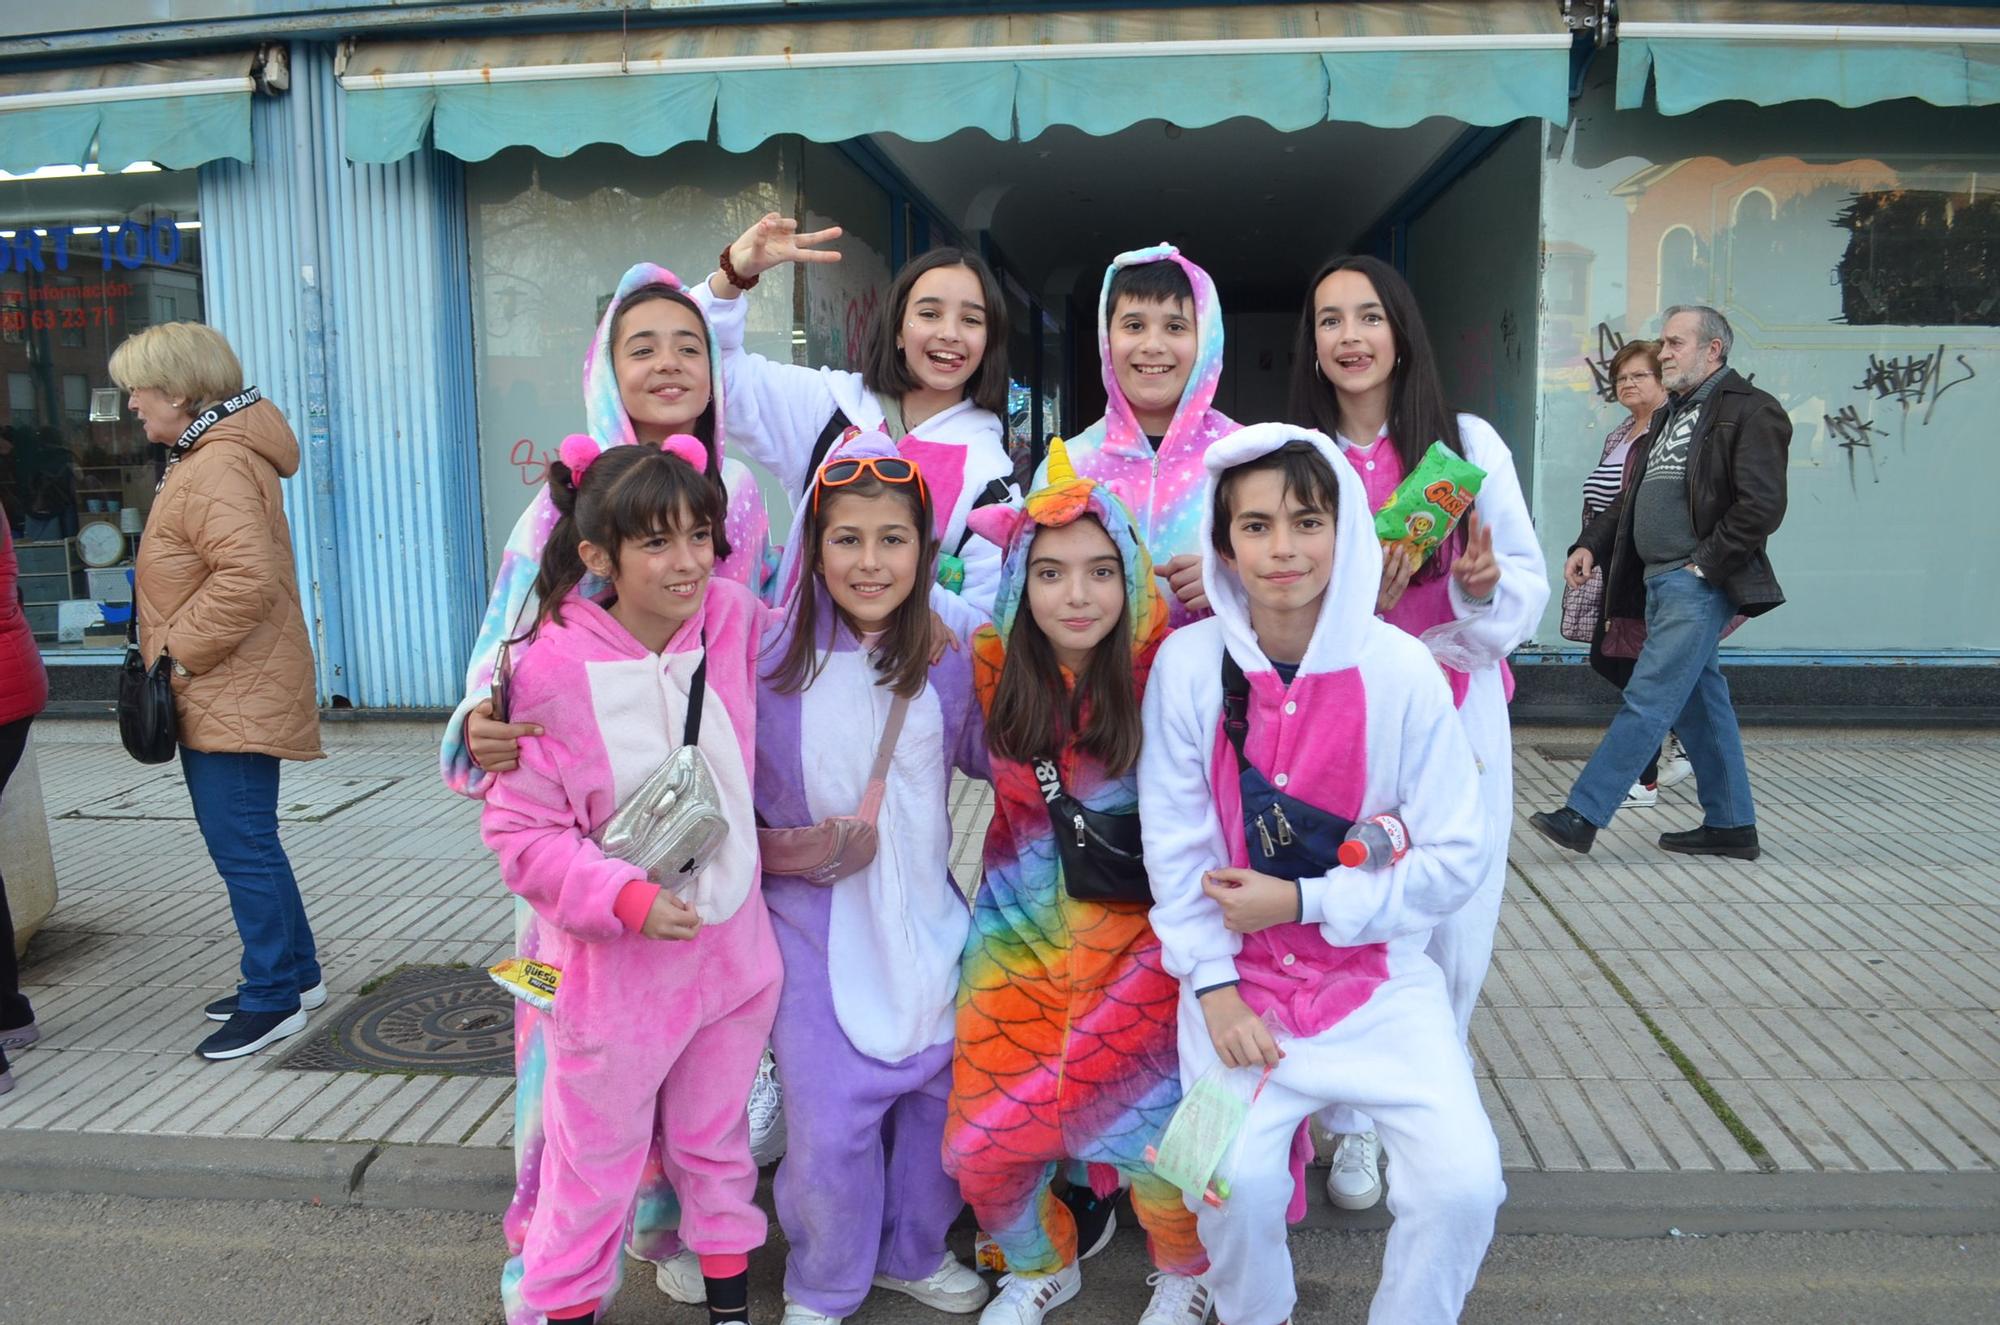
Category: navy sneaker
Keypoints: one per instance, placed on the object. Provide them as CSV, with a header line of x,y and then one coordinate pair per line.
x,y
222,1009
1566,828
247,1032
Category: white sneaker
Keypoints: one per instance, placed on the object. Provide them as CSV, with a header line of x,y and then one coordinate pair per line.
x,y
1025,1299
1178,1299
1675,767
767,1115
1355,1181
679,1277
1641,797
797,1313
953,1286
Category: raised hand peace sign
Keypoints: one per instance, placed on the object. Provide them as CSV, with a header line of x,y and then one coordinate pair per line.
x,y
773,240
1477,570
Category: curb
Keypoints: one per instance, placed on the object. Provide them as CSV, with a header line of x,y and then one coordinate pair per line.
x,y
481,1181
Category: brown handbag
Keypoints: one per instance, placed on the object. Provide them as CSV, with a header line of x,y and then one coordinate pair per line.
x,y
840,844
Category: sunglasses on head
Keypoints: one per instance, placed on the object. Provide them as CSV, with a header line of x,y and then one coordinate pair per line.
x,y
839,472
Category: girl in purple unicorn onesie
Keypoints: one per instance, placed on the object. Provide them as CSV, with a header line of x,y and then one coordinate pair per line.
x,y
864,1032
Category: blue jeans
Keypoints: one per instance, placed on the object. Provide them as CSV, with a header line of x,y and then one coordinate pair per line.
x,y
236,804
1676,683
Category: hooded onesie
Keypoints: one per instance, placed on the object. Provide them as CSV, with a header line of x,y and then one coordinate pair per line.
x,y
864,1030
1364,727
1471,640
779,410
1065,1043
1163,487
650,1040
513,604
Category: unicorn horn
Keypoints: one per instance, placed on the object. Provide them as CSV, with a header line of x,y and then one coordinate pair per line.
x,y
1060,469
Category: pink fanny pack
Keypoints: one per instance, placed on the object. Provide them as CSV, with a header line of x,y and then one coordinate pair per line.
x,y
840,844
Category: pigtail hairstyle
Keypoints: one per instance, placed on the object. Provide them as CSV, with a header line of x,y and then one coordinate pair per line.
x,y
703,428
1418,415
624,492
883,368
1030,718
903,657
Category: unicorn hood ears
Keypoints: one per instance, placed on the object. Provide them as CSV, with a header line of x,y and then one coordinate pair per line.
x,y
1064,498
604,412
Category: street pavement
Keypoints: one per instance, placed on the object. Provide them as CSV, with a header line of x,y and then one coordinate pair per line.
x,y
1820,1018
124,1261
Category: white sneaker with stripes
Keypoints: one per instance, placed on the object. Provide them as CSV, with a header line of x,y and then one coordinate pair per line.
x,y
1025,1299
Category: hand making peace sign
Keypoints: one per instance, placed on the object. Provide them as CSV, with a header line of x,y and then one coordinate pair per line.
x,y
1477,570
773,240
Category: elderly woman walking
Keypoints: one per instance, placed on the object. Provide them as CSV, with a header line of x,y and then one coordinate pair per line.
x,y
217,593
1635,377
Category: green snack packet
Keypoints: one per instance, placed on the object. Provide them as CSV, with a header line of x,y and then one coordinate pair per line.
x,y
951,572
1428,504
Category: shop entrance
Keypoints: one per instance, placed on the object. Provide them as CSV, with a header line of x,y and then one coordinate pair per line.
x,y
1259,208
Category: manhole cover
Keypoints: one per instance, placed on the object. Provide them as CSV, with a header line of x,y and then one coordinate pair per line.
x,y
307,798
442,1019
1566,754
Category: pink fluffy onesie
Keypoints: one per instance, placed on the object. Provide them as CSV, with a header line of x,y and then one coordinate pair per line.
x,y
1365,727
648,1038
864,1032
1163,488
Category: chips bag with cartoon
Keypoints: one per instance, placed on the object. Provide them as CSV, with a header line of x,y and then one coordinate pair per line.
x,y
1428,504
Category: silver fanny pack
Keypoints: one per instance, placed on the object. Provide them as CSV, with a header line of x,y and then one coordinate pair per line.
x,y
673,824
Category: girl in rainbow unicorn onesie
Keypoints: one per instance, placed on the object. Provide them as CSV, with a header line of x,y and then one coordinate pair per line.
x,y
1287,717
933,376
1065,1034
666,995
864,1030
652,370
1159,339
1364,373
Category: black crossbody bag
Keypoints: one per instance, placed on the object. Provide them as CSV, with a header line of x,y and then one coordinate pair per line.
x,y
1102,857
1285,837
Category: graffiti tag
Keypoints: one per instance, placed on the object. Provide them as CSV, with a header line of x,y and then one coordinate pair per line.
x,y
1913,380
531,465
1609,343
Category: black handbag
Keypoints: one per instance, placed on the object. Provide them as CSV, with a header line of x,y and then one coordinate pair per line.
x,y
1285,837
1102,857
146,722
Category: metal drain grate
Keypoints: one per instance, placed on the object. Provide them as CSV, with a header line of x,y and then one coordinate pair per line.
x,y
1566,754
440,1019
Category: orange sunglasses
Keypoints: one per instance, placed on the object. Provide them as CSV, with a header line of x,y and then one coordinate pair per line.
x,y
838,473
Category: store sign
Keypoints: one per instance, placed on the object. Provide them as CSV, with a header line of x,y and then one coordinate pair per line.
x,y
131,246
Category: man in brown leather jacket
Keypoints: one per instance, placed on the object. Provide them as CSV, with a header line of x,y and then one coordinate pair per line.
x,y
1684,548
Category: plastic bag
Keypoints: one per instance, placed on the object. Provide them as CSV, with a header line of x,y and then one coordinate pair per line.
x,y
1199,1149
1428,504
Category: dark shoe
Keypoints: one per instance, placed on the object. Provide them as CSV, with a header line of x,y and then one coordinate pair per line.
x,y
1096,1218
1705,841
222,1009
20,1037
1566,828
247,1032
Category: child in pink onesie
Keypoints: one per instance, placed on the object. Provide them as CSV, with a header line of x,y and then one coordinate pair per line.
x,y
667,995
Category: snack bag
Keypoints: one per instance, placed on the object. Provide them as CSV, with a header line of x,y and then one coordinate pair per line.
x,y
1427,505
951,572
534,983
986,1253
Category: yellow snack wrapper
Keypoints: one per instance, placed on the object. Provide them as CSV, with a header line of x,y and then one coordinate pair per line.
x,y
534,983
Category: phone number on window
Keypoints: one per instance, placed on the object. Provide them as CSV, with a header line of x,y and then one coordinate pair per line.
x,y
57,319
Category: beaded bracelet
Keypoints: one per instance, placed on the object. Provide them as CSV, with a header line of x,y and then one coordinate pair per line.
x,y
730,274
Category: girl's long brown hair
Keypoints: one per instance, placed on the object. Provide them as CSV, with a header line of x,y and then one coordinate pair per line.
x,y
1033,718
703,428
903,657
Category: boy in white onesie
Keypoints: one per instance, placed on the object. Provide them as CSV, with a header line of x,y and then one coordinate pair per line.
x,y
1332,717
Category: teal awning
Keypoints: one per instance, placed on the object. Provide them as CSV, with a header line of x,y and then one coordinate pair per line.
x,y
178,113
1696,52
1009,75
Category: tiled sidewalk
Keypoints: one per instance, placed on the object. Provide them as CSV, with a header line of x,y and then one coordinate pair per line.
x,y
1831,1007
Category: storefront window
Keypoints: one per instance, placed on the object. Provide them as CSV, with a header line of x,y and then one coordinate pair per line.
x,y
549,239
1856,255
86,260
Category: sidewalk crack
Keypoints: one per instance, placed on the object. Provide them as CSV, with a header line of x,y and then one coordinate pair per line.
x,y
360,1171
1725,1115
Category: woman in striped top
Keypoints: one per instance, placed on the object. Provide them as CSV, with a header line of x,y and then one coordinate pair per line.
x,y
1635,376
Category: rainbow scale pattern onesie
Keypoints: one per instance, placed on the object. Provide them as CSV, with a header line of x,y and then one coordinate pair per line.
x,y
1066,1019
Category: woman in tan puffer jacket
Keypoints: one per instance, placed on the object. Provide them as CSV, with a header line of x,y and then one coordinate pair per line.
x,y
216,591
